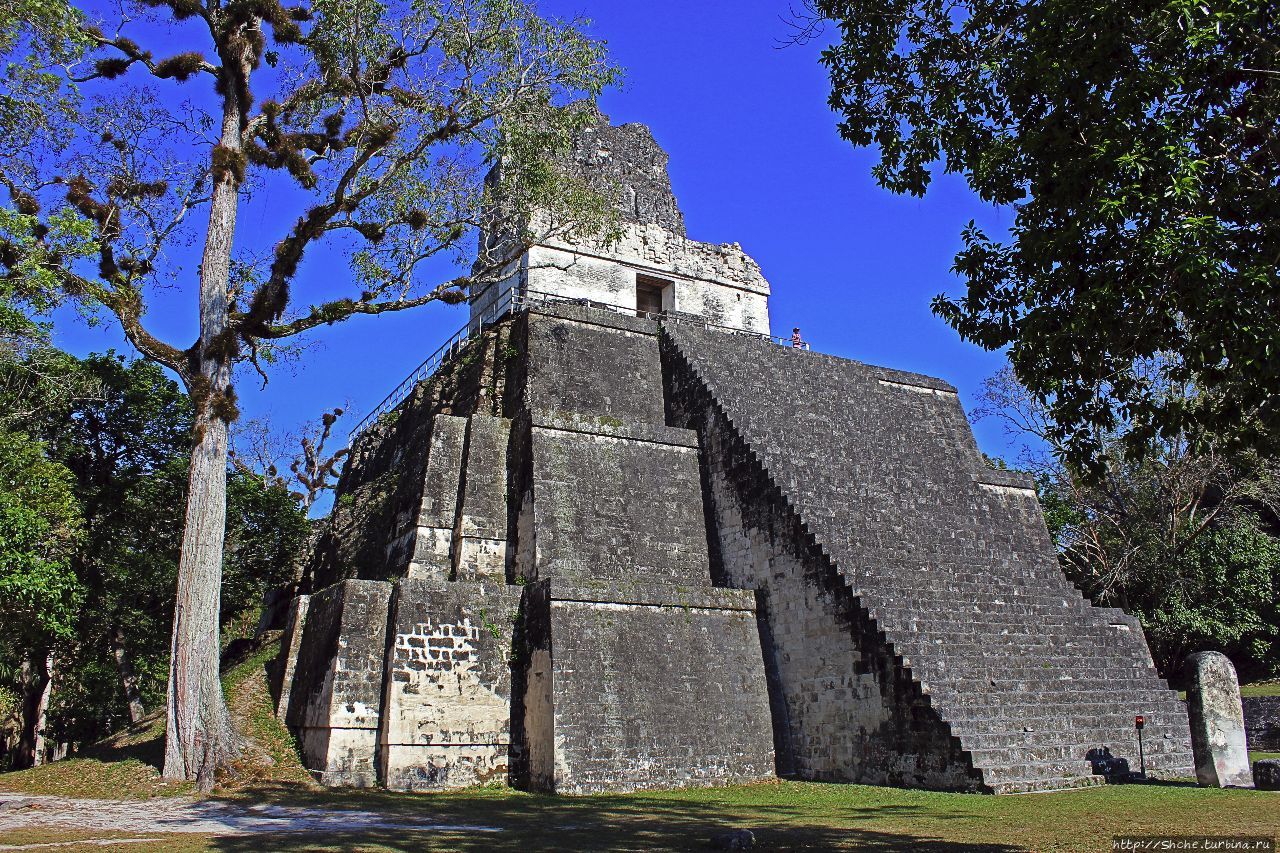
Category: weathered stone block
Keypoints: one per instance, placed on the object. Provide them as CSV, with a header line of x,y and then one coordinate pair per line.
x,y
608,368
431,545
649,695
444,470
484,495
290,643
1217,721
607,509
432,553
1266,774
1262,722
447,708
335,704
479,558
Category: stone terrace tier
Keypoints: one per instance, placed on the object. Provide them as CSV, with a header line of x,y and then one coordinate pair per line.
x,y
866,484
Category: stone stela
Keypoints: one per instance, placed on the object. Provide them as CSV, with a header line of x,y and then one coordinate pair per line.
x,y
602,550
1217,722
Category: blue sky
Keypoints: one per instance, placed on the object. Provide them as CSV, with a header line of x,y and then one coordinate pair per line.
x,y
755,159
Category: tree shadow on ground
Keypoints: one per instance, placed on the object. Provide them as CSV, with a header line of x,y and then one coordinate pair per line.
x,y
143,741
613,822
1159,783
620,838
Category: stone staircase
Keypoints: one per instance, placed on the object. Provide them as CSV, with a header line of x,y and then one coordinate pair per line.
x,y
951,561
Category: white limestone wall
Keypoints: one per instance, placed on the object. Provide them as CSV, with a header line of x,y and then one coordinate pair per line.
x,y
718,282
446,721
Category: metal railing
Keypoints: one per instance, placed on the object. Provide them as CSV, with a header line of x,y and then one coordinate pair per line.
x,y
451,347
514,301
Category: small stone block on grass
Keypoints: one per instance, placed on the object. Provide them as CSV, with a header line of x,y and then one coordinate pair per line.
x,y
1266,774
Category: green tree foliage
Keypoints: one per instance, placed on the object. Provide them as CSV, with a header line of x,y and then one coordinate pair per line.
x,y
126,450
40,596
1138,146
1186,538
1221,592
40,526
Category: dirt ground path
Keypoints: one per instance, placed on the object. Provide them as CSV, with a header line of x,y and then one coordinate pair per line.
x,y
187,815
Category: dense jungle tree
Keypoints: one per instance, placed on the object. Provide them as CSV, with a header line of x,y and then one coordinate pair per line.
x,y
382,115
1138,144
127,448
39,593
40,517
109,464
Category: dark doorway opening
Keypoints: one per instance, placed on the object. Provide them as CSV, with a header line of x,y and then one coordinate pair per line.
x,y
649,292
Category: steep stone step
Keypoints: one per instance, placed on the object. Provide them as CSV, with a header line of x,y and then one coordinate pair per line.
x,y
1049,752
937,603
927,572
1031,786
1083,665
1021,695
1156,754
948,595
955,587
1048,729
978,613
1014,728
933,640
902,619
1036,771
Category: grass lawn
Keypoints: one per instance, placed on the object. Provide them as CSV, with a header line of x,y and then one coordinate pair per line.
x,y
783,815
1261,688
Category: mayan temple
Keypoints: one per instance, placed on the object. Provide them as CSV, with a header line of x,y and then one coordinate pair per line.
x,y
615,536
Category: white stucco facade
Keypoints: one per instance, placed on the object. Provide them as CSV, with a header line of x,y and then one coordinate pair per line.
x,y
720,283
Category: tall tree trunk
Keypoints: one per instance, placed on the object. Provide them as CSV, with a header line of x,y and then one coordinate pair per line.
x,y
199,737
35,678
128,678
42,713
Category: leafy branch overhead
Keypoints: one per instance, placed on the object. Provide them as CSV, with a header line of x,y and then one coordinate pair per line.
x,y
1137,144
384,115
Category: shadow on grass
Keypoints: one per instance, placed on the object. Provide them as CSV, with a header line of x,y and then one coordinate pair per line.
x,y
1161,783
603,839
528,822
143,741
